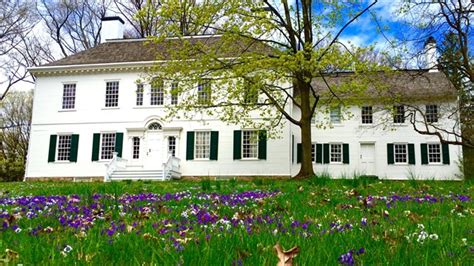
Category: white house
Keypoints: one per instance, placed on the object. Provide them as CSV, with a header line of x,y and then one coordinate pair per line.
x,y
88,106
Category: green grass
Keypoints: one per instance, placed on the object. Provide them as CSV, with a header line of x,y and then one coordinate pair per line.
x,y
318,202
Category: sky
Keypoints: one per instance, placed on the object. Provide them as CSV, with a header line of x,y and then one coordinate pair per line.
x,y
377,27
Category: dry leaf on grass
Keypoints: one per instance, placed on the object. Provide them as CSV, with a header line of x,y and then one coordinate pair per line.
x,y
285,257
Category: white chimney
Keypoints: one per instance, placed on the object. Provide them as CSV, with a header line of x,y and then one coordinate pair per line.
x,y
112,28
430,54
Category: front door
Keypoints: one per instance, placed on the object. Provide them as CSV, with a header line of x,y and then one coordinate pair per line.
x,y
367,158
155,149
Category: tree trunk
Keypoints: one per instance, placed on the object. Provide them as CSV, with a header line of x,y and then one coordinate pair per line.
x,y
306,170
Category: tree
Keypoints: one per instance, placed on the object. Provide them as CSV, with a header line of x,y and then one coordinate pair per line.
x,y
447,23
271,49
15,133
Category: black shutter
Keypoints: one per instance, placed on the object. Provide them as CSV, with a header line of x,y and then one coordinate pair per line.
x,y
95,147
74,147
445,150
214,145
52,148
326,153
319,153
262,145
411,153
292,148
237,144
424,153
190,145
345,153
390,159
119,144
298,153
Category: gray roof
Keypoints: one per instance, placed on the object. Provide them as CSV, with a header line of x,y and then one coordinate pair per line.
x,y
144,50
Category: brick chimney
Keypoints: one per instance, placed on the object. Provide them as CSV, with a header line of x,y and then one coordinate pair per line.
x,y
112,28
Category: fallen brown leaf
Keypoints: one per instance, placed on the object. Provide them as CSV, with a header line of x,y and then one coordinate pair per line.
x,y
285,257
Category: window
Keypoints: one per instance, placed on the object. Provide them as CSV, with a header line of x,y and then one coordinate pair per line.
x,y
172,145
154,126
313,152
400,153
111,94
174,93
136,148
204,92
434,153
335,115
335,153
250,144
250,93
107,146
202,145
367,115
139,94
399,114
157,94
64,148
69,96
432,113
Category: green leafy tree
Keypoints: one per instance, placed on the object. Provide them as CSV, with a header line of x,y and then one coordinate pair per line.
x,y
269,66
15,132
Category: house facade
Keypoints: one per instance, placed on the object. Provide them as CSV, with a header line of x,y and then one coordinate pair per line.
x,y
92,119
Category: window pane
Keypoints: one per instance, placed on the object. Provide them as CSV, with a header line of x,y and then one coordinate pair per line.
x,y
367,116
174,93
336,115
432,113
400,153
434,153
64,147
313,152
108,146
202,145
111,94
335,153
69,96
139,95
399,114
172,145
136,148
157,93
250,144
204,92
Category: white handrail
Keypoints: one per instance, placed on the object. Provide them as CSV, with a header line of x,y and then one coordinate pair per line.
x,y
171,165
115,164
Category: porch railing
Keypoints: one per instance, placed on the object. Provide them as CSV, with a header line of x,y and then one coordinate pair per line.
x,y
117,163
171,166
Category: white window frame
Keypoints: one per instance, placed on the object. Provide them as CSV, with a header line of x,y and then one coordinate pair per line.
x,y
139,95
201,92
428,153
58,159
157,94
395,153
397,114
313,152
71,105
174,96
207,142
332,114
432,117
136,149
172,147
109,97
255,145
340,153
368,115
101,145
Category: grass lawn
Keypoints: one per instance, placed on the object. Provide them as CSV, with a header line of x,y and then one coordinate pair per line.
x,y
238,223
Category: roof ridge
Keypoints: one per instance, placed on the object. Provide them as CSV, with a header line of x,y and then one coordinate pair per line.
x,y
167,38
